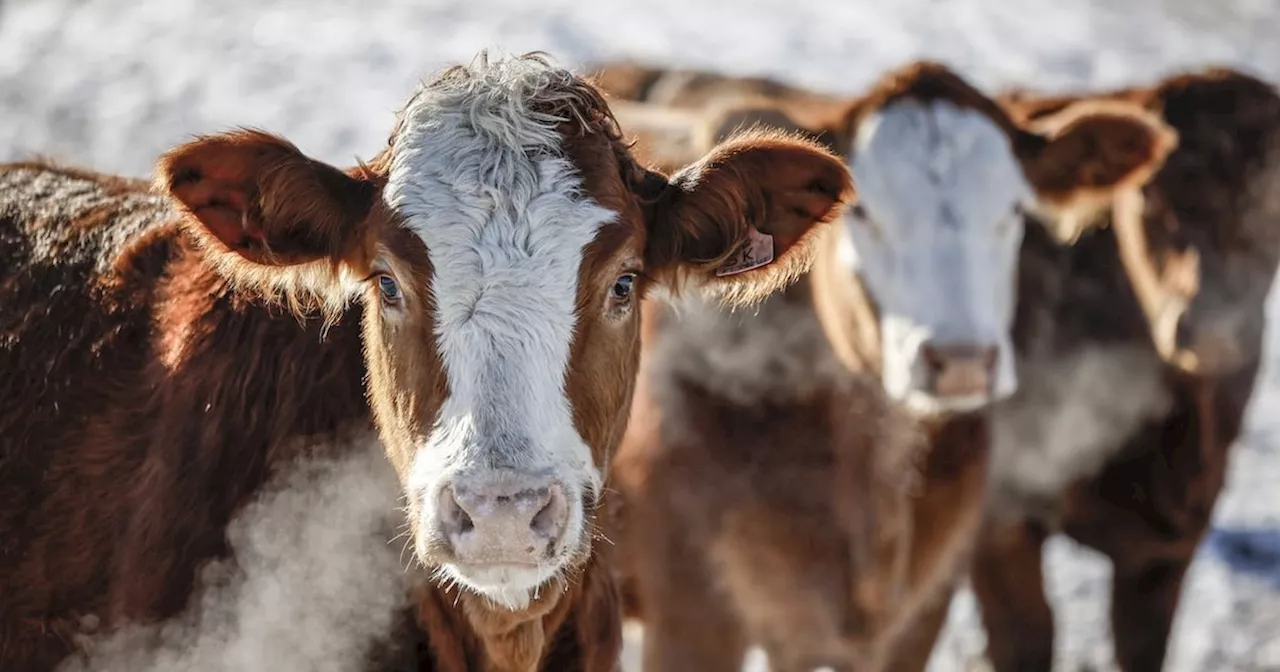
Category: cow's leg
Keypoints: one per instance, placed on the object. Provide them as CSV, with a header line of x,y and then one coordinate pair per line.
x,y
947,518
688,622
693,632
1143,604
1008,582
1148,513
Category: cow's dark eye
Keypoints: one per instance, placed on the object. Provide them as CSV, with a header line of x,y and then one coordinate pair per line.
x,y
389,289
622,287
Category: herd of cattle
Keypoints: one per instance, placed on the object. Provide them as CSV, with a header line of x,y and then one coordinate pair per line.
x,y
751,364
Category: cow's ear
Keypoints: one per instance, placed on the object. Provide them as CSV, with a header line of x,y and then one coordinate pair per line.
x,y
740,220
1092,150
257,196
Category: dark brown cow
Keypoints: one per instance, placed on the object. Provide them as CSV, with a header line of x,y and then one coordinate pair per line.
x,y
811,477
1140,345
497,250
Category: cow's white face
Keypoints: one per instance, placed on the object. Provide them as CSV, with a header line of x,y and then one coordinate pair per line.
x,y
935,240
506,219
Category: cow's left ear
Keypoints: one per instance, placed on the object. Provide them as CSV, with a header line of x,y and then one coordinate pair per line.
x,y
740,221
1088,152
257,196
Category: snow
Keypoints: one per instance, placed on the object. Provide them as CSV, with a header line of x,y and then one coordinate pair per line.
x,y
111,84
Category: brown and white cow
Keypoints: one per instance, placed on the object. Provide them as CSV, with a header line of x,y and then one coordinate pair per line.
x,y
496,252
811,478
1139,348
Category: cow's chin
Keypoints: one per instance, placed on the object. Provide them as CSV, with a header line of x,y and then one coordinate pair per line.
x,y
510,586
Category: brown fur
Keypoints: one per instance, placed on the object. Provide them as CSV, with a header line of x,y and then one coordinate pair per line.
x,y
1148,506
144,402
718,537
779,577
162,352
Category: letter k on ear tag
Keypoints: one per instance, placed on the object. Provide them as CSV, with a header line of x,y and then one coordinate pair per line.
x,y
756,252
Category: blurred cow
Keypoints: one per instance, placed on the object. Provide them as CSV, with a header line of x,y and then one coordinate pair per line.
x,y
1139,346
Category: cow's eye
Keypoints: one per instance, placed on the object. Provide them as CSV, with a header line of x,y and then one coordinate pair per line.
x,y
622,287
389,289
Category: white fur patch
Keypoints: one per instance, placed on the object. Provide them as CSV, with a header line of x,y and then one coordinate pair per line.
x,y
938,246
483,180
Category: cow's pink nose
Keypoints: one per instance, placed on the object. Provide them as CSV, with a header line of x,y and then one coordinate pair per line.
x,y
505,518
960,370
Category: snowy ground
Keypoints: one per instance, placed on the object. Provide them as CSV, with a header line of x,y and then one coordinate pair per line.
x,y
111,84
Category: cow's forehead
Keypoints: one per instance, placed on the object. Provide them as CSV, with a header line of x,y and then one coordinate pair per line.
x,y
479,159
922,162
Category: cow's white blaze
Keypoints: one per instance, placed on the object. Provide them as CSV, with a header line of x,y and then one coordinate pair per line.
x,y
937,237
482,178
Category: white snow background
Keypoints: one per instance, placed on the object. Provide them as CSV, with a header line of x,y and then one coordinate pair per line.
x,y
110,84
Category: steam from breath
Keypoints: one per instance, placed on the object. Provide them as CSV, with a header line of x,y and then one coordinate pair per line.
x,y
1071,413
314,584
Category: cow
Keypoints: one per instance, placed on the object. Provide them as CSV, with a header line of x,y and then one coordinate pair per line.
x,y
1140,346
471,293
811,477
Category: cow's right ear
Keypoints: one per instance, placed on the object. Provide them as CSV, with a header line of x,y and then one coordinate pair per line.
x,y
259,197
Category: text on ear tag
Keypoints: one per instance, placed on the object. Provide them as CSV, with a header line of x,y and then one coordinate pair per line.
x,y
756,252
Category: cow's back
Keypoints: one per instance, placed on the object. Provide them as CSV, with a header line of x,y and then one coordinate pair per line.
x,y
74,329
67,310
73,321
147,400
70,320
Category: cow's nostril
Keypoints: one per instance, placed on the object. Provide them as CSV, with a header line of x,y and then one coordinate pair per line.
x,y
549,522
452,516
